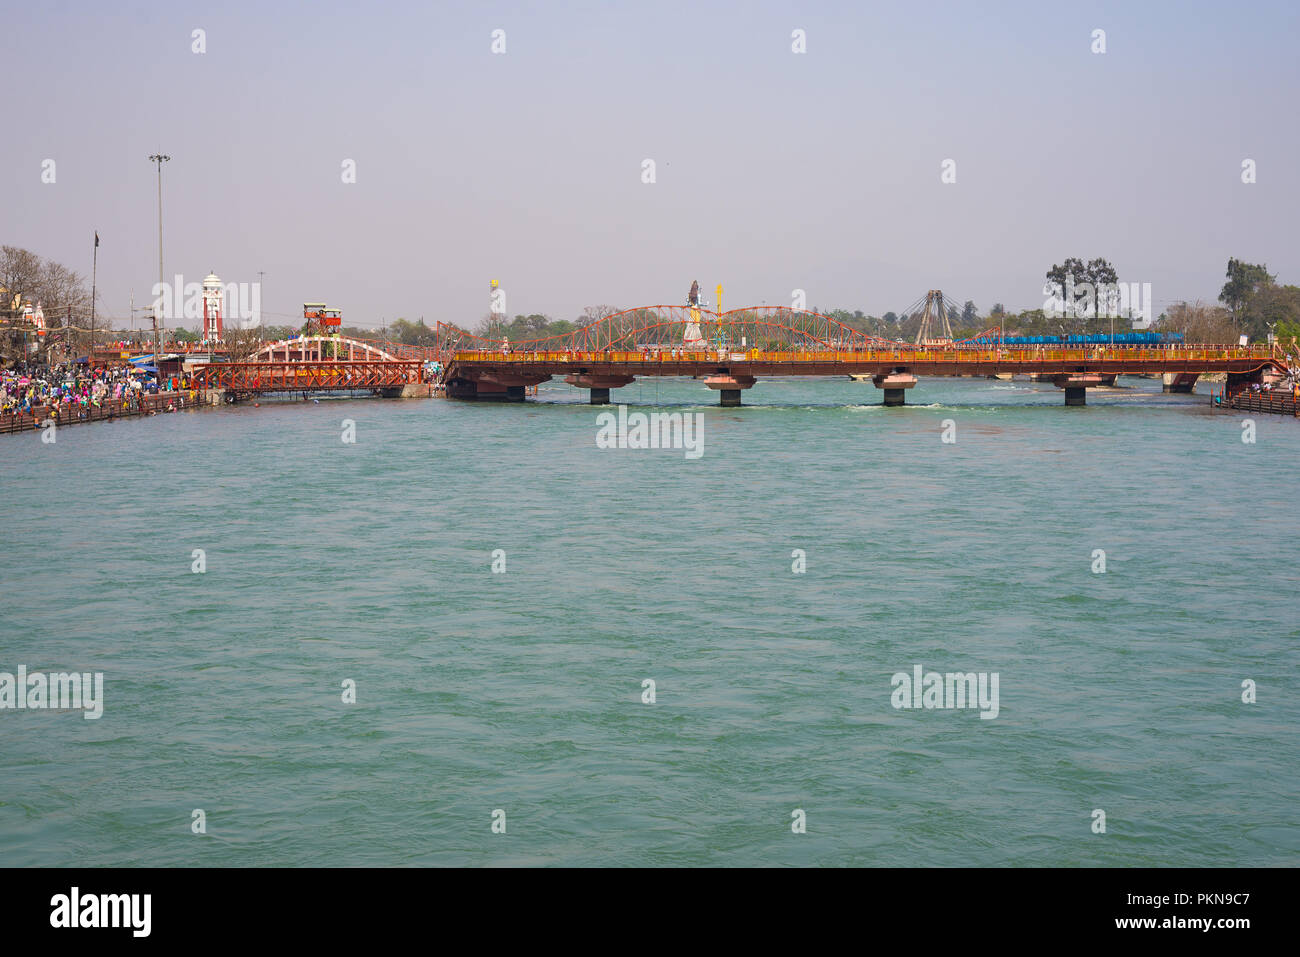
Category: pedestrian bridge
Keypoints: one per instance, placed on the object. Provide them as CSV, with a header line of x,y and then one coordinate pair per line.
x,y
730,351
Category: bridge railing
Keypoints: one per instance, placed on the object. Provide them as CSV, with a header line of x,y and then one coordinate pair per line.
x,y
307,376
903,354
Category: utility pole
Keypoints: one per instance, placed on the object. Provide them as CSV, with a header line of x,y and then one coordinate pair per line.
x,y
94,274
158,158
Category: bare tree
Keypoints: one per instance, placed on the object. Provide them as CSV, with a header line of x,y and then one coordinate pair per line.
x,y
592,314
242,343
493,325
58,288
20,272
1200,323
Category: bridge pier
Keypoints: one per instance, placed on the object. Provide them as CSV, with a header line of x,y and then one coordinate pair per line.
x,y
894,385
599,384
412,390
506,388
1183,383
1242,381
729,388
1076,386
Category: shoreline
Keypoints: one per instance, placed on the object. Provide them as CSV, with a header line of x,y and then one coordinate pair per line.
x,y
154,404
186,400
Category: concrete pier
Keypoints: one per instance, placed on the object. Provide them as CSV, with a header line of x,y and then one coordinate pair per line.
x,y
499,388
1076,386
895,385
412,390
599,384
729,388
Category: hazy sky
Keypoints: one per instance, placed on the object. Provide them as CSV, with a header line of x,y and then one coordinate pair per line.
x,y
774,170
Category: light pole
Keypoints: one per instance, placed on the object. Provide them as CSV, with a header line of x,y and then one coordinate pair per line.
x,y
94,273
158,158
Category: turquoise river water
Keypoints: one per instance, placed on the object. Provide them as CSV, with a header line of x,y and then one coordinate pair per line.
x,y
522,690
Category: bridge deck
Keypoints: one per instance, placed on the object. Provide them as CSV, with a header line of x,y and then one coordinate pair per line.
x,y
918,361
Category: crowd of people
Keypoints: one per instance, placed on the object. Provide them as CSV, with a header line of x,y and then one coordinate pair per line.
x,y
1292,387
70,392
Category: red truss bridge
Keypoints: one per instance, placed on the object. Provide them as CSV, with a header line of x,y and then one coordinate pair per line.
x,y
731,350
313,364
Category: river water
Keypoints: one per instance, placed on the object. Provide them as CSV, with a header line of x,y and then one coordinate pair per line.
x,y
521,690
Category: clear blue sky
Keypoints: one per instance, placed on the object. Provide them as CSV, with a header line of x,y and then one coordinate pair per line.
x,y
775,170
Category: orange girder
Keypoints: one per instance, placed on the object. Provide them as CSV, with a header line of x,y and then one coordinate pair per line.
x,y
340,375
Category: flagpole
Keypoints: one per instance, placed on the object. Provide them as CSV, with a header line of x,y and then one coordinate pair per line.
x,y
94,275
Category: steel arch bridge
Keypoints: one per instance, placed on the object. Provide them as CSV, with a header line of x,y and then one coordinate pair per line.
x,y
767,328
322,349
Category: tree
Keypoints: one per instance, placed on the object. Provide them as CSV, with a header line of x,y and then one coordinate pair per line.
x,y
57,287
1072,270
1288,334
1101,275
1199,323
1243,280
1270,307
998,310
20,271
242,343
493,326
969,314
1031,322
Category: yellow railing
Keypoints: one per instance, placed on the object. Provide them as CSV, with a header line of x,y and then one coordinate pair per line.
x,y
903,354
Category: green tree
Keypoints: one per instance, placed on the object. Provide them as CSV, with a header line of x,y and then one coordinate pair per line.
x,y
1288,334
1244,279
1271,306
1102,276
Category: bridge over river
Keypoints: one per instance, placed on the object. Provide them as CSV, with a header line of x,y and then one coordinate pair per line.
x,y
730,351
316,364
